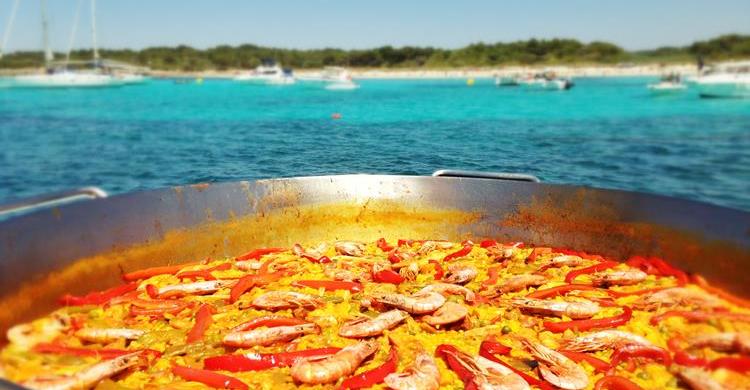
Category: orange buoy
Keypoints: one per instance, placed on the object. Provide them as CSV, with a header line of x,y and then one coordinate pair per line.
x,y
335,115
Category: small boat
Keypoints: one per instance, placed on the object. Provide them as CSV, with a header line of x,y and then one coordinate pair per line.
x,y
725,80
669,84
507,80
547,81
64,78
335,78
268,72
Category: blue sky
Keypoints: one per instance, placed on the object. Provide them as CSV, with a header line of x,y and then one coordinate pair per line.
x,y
634,24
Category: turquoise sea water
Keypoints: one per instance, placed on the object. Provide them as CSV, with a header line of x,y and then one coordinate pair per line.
x,y
605,132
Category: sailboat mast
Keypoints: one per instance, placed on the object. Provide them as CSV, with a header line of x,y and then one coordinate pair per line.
x,y
93,30
48,57
9,27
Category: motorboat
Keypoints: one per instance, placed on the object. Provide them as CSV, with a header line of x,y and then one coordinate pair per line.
x,y
547,81
511,80
334,77
725,80
669,84
269,72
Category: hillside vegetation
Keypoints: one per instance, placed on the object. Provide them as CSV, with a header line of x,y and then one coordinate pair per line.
x,y
530,52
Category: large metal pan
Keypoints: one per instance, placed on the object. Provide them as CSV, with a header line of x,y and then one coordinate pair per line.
x,y
86,245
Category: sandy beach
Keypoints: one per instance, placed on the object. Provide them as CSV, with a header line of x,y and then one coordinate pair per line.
x,y
416,73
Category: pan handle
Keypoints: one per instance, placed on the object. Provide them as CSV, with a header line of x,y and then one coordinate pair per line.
x,y
486,175
49,200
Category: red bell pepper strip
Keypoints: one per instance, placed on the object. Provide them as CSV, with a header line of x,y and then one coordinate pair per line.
x,y
394,257
203,273
262,361
494,348
467,247
330,285
300,251
383,245
598,364
572,275
152,291
374,376
269,321
208,378
640,351
203,320
700,281
438,269
536,252
98,297
447,352
609,322
493,274
104,353
485,353
699,316
562,290
657,266
149,272
247,282
487,243
685,359
613,382
258,253
387,276
739,364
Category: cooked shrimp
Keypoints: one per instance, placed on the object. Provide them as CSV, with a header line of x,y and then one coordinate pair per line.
x,y
489,375
460,274
249,265
677,296
279,300
106,335
722,342
497,377
447,288
429,246
516,283
424,374
268,336
618,278
572,309
419,303
605,339
196,288
41,330
318,370
556,368
410,272
564,260
317,252
367,327
501,252
347,275
89,376
350,248
449,313
698,379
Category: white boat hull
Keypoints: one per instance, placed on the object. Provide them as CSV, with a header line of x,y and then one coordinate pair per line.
x,y
723,90
66,80
552,85
666,88
265,79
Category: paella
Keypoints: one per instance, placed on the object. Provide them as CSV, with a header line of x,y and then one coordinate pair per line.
x,y
400,314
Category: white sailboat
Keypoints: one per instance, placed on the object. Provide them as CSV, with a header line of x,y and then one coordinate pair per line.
x,y
727,80
62,75
546,81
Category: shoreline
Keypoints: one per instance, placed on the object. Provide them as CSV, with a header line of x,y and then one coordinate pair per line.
x,y
452,73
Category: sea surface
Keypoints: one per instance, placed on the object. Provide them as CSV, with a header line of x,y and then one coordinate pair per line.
x,y
605,132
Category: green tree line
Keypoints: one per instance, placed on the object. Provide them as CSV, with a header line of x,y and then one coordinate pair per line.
x,y
529,52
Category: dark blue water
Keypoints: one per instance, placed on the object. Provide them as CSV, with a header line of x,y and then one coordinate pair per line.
x,y
606,132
